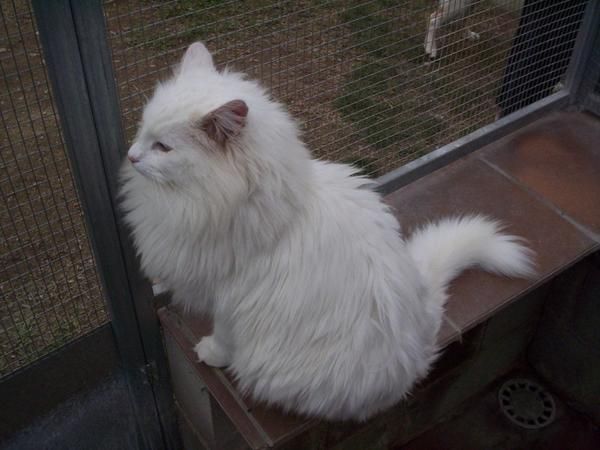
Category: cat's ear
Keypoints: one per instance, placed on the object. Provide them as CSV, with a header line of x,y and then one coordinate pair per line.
x,y
197,55
225,122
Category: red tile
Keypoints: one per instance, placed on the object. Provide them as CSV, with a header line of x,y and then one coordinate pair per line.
x,y
470,186
559,158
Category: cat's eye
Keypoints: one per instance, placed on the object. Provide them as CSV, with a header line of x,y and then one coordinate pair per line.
x,y
162,147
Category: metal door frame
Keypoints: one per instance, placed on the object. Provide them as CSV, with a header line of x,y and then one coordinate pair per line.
x,y
78,59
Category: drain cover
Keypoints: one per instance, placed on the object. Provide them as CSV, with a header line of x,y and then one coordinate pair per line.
x,y
526,403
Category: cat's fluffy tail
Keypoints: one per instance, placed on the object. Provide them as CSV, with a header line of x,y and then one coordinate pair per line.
x,y
443,249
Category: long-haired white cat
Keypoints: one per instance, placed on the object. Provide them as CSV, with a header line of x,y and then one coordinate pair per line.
x,y
319,304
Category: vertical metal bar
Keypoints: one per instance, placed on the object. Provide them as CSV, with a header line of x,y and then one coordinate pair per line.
x,y
96,57
590,89
73,38
584,46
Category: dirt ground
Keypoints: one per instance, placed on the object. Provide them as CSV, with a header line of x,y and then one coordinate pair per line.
x,y
49,288
354,74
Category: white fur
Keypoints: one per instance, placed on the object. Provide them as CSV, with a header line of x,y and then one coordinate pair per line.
x,y
319,305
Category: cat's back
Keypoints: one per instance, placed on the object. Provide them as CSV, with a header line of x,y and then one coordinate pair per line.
x,y
350,296
357,240
351,235
347,198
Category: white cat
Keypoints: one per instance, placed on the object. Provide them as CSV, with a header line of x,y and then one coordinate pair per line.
x,y
319,305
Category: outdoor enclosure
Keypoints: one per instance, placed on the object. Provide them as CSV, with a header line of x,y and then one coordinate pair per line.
x,y
354,73
357,75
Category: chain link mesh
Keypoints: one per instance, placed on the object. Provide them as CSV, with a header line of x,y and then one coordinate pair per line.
x,y
49,288
355,73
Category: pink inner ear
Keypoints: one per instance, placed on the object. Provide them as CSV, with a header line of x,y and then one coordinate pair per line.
x,y
238,107
226,121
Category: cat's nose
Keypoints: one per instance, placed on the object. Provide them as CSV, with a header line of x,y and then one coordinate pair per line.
x,y
132,159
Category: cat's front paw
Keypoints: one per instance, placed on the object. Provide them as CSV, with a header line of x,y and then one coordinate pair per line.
x,y
211,353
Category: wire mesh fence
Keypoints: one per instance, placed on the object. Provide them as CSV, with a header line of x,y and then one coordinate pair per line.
x,y
375,83
49,288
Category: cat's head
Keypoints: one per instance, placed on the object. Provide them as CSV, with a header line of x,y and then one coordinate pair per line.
x,y
204,126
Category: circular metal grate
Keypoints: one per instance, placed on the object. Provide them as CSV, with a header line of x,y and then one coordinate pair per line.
x,y
526,404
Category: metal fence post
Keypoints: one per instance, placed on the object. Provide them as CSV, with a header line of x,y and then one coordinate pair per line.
x,y
581,59
590,88
74,39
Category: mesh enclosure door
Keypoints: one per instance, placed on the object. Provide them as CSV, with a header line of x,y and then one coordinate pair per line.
x,y
49,287
375,83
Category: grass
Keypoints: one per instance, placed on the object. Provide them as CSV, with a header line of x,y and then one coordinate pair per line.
x,y
30,347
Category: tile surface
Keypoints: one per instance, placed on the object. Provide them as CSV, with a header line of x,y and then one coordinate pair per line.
x,y
471,187
559,158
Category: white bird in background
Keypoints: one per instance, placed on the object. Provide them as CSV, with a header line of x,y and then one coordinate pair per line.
x,y
447,11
